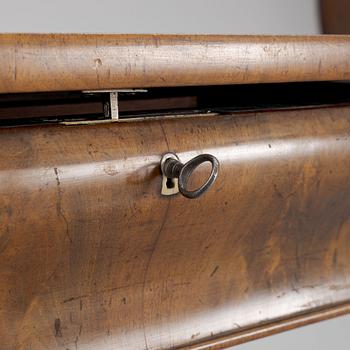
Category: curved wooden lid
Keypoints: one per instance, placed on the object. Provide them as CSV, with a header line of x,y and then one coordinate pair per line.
x,y
61,62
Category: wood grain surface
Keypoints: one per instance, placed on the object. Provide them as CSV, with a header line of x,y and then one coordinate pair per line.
x,y
61,62
92,257
335,16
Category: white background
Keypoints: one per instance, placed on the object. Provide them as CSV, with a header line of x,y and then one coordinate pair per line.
x,y
161,16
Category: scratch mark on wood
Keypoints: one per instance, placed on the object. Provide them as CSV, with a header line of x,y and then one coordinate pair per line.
x,y
76,342
150,261
214,271
335,258
165,135
195,335
58,332
76,298
59,204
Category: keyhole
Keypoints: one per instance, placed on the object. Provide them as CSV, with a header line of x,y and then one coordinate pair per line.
x,y
170,183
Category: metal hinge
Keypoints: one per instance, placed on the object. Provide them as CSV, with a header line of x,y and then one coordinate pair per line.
x,y
111,110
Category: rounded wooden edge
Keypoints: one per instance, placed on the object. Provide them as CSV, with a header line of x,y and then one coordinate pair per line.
x,y
62,62
232,339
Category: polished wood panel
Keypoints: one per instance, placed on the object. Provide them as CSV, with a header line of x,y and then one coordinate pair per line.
x,y
335,16
57,62
92,257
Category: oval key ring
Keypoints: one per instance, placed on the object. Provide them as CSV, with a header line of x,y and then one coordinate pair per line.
x,y
172,168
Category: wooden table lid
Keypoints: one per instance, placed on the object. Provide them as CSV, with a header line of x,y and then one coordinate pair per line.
x,y
61,62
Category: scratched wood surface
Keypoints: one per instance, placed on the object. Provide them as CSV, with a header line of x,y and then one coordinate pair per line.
x,y
92,257
60,62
